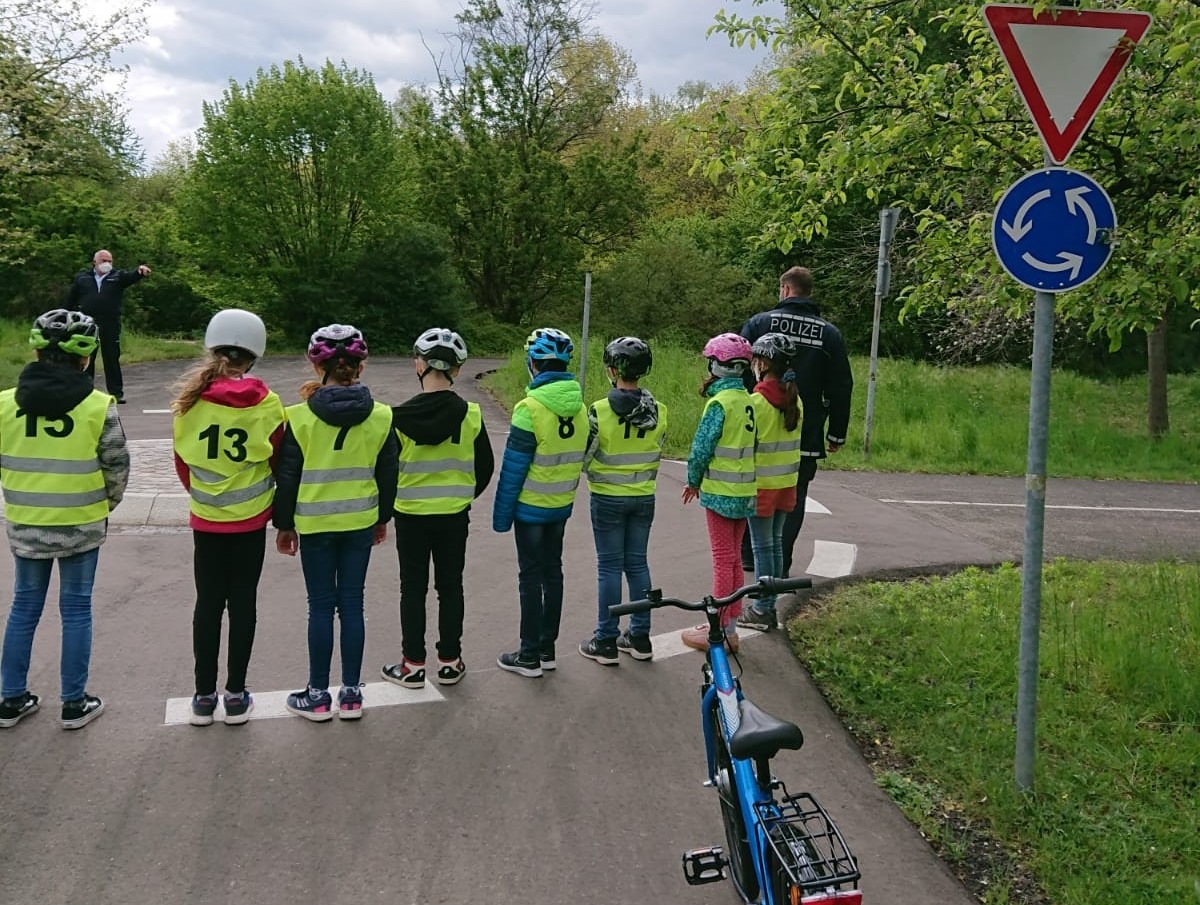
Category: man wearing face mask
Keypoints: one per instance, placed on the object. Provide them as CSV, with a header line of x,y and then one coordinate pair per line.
x,y
823,378
97,293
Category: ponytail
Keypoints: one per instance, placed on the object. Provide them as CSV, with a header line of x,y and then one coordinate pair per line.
x,y
341,371
191,386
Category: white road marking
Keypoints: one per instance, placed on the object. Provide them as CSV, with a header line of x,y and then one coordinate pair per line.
x,y
1048,506
156,411
269,705
832,559
670,644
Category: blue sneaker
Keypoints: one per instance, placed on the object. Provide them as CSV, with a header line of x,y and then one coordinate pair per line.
x,y
237,708
203,708
350,703
312,704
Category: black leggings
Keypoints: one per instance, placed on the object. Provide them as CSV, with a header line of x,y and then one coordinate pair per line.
x,y
227,568
442,538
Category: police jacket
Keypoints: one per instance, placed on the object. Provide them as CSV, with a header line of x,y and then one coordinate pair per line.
x,y
103,303
822,369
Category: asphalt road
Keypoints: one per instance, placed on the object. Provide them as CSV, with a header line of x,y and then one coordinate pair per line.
x,y
583,786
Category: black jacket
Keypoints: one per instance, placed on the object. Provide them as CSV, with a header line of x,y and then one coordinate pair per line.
x,y
430,418
822,369
338,406
103,304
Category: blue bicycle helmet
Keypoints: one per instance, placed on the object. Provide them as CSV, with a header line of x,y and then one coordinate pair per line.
x,y
548,344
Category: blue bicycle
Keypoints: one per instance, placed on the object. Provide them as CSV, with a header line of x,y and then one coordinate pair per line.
x,y
781,849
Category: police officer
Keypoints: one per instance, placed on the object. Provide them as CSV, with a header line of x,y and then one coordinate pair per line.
x,y
822,376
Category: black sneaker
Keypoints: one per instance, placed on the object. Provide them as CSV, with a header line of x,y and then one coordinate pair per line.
x,y
77,714
759,620
637,646
522,665
120,400
13,710
548,661
603,652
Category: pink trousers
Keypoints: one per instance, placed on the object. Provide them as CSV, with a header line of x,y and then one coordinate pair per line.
x,y
725,538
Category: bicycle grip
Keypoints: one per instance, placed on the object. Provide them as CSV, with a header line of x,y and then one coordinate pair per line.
x,y
783,585
633,606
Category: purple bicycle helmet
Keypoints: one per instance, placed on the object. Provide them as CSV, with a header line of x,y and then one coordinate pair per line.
x,y
337,341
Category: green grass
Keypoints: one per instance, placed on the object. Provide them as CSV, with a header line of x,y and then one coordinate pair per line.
x,y
135,347
956,420
926,670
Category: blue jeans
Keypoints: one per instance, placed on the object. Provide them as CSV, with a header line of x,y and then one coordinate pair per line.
x,y
335,574
76,574
766,539
540,583
621,527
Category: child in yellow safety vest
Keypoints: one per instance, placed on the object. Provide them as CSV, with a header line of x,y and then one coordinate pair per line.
x,y
227,429
627,429
777,417
446,462
64,467
720,472
543,460
336,481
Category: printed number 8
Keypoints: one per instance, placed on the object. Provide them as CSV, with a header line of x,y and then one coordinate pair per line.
x,y
566,427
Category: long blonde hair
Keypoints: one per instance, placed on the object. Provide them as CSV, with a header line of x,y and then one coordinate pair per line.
x,y
215,366
344,373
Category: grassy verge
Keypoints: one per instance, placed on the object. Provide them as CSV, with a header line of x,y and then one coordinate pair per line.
x,y
135,347
956,420
924,672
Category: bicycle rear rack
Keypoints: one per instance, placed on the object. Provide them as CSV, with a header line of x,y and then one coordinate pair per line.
x,y
809,848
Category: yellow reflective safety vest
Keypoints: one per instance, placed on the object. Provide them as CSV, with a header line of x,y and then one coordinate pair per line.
x,y
439,479
731,471
777,455
48,463
626,458
228,454
337,485
558,462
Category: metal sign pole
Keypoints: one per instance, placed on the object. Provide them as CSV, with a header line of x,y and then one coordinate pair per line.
x,y
883,283
583,340
1035,512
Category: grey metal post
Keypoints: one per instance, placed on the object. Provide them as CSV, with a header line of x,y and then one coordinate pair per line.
x,y
1035,512
883,283
587,314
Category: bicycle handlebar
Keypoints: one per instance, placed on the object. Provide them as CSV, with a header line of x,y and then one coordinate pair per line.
x,y
764,585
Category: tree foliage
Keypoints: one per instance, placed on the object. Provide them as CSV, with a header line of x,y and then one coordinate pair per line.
x,y
526,182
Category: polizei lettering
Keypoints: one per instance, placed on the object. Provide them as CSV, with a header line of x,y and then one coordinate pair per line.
x,y
805,330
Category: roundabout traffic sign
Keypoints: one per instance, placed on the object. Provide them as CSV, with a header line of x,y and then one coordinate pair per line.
x,y
1052,229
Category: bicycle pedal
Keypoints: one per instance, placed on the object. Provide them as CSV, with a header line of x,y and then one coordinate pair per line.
x,y
704,865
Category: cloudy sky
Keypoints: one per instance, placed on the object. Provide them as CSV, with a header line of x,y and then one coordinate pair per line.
x,y
194,47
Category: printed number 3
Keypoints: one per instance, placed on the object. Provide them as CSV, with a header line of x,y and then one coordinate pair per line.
x,y
750,418
237,441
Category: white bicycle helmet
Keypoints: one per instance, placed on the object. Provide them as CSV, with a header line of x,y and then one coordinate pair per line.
x,y
234,328
441,349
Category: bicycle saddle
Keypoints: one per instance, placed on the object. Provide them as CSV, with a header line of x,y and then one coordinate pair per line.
x,y
762,735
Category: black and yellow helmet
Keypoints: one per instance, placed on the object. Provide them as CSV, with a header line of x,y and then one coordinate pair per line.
x,y
68,331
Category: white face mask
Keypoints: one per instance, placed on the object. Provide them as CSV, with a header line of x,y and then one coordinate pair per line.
x,y
104,267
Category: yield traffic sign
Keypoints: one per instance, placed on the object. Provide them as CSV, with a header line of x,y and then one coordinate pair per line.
x,y
1051,229
1064,62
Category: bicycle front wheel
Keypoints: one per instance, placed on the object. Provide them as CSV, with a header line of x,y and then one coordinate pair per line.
x,y
737,837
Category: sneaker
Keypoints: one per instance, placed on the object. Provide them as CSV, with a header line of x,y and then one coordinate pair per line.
x,y
450,672
77,714
237,708
350,703
548,660
203,708
637,646
522,665
406,673
759,620
697,638
603,651
311,703
13,710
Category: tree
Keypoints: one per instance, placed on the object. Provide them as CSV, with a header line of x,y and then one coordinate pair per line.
x,y
293,177
924,116
528,183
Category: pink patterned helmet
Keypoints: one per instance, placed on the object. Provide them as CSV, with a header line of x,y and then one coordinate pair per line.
x,y
337,341
727,348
